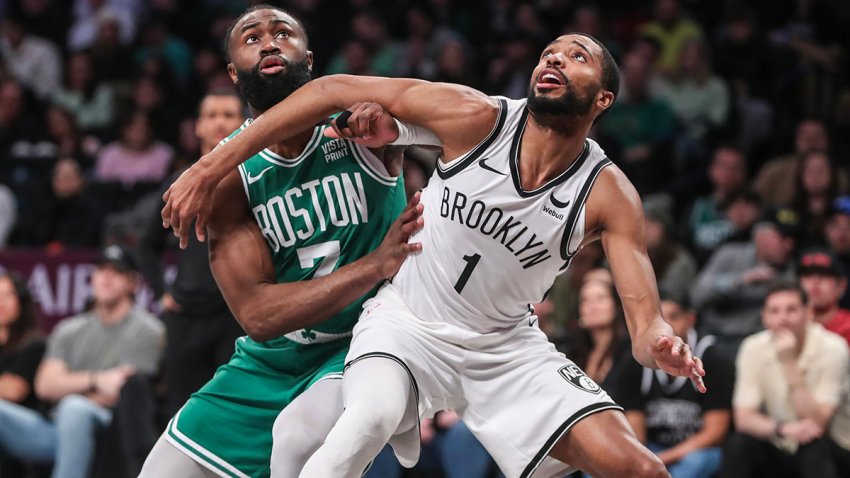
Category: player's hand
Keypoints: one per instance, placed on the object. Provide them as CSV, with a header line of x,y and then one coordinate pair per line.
x,y
674,356
394,249
368,124
188,199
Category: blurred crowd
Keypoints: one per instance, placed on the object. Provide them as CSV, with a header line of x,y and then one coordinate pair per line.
x,y
733,122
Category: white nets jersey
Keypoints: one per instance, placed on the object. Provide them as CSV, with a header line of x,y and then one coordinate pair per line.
x,y
489,247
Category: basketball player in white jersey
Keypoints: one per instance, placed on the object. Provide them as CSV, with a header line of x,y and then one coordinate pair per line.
x,y
519,190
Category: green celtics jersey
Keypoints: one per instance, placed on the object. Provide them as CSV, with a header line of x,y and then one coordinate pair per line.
x,y
328,207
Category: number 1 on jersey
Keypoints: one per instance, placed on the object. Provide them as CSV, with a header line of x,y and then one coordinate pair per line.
x,y
471,262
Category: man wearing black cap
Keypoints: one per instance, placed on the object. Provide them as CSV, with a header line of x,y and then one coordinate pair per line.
x,y
824,280
89,360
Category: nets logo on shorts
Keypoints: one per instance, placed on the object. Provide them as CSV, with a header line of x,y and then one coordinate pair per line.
x,y
576,376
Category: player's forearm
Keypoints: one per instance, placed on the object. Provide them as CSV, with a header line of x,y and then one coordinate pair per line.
x,y
275,309
301,110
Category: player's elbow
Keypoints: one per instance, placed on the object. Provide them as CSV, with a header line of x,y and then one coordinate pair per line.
x,y
259,330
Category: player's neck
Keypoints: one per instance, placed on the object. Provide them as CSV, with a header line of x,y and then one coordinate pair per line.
x,y
545,152
292,147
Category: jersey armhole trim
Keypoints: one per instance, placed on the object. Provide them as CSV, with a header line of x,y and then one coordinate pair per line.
x,y
461,164
243,173
578,207
379,174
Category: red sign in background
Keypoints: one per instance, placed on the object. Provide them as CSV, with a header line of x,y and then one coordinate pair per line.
x,y
59,282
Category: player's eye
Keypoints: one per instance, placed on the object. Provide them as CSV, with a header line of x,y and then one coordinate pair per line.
x,y
282,34
580,57
252,39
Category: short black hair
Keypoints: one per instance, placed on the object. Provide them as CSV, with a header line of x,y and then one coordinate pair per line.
x,y
610,70
786,286
252,9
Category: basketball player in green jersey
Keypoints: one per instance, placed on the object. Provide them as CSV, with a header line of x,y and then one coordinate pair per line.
x,y
327,236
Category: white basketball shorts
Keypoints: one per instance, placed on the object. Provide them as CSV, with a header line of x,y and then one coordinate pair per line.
x,y
514,391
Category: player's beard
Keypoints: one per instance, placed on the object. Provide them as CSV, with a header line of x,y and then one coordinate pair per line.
x,y
568,105
264,91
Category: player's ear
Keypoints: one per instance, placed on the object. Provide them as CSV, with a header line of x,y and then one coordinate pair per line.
x,y
309,60
231,70
604,100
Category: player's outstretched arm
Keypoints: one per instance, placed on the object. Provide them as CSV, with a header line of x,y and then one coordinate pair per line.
x,y
459,116
243,268
622,232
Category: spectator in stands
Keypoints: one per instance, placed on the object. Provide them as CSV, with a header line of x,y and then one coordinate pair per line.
x,y
837,234
67,139
685,428
33,61
21,343
70,216
707,223
699,97
744,58
791,395
455,65
641,128
21,350
743,210
816,188
675,268
602,346
425,39
672,30
8,214
90,100
89,15
199,326
136,156
450,447
90,359
729,291
153,95
515,55
370,30
825,281
158,41
112,58
19,125
776,179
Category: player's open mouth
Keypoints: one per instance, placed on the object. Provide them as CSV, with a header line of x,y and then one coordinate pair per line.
x,y
549,79
271,65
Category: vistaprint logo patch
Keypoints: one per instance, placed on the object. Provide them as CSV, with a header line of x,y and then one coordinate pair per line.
x,y
335,149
